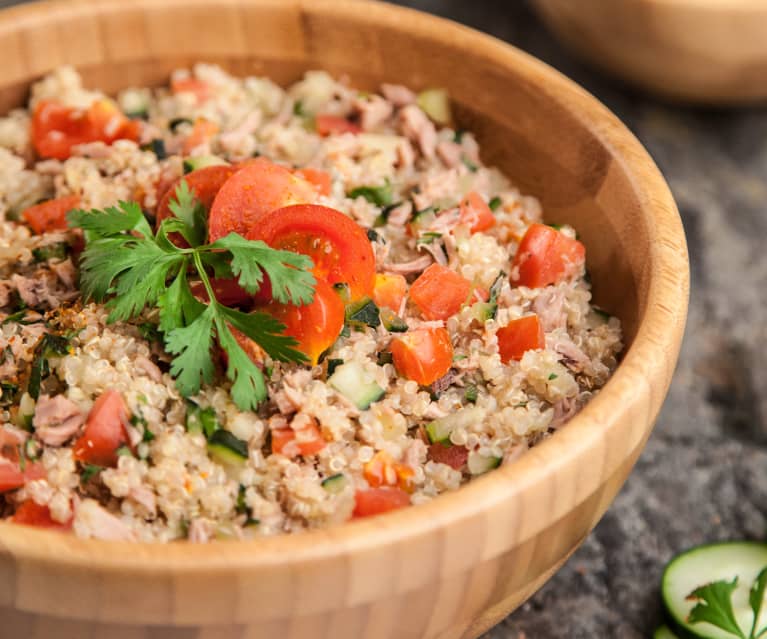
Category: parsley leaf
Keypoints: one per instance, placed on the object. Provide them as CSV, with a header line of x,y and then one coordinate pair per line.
x,y
715,606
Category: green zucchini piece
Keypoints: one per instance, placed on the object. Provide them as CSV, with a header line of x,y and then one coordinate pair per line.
x,y
333,364
379,195
201,420
436,104
391,321
440,429
200,162
227,449
335,484
356,384
363,311
706,564
480,464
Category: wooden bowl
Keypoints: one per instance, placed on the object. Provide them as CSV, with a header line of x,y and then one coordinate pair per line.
x,y
455,566
704,51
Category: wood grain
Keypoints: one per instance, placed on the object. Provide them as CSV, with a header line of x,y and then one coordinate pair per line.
x,y
702,51
450,568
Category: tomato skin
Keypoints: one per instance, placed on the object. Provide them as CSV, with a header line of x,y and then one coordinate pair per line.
x,y
475,213
105,431
389,291
375,501
546,256
338,246
519,336
51,215
30,513
200,89
453,456
335,125
315,326
57,128
423,355
439,292
308,441
318,178
258,188
12,477
202,131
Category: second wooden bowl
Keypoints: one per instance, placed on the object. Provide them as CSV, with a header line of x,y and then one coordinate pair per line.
x,y
451,568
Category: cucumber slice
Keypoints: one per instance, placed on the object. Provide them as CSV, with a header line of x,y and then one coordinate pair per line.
x,y
227,449
664,632
440,429
436,104
480,464
200,162
363,312
335,484
704,564
356,384
392,322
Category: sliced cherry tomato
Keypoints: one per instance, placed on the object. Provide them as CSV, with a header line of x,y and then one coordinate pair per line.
x,y
105,431
423,355
292,442
315,326
202,131
546,256
258,188
200,89
453,456
335,125
57,128
51,215
30,513
475,213
389,291
318,178
519,336
375,501
338,246
439,292
12,477
382,470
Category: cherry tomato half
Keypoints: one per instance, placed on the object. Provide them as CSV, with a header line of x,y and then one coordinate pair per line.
x,y
338,246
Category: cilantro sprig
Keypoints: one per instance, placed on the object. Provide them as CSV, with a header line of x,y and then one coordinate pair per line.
x,y
130,268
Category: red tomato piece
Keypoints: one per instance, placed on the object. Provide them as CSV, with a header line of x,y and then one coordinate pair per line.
x,y
200,89
439,292
30,513
546,256
423,355
519,336
105,431
318,178
382,470
51,215
389,291
202,131
375,501
453,456
475,213
338,246
335,125
291,442
12,477
314,326
258,188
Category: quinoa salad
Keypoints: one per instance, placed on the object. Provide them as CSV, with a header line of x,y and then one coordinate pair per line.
x,y
230,309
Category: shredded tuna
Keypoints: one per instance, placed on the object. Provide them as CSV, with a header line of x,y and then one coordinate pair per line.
x,y
12,436
436,251
93,521
143,495
450,153
399,215
574,357
397,94
5,293
418,127
147,366
57,419
549,306
407,268
405,155
201,531
41,290
564,409
415,453
65,271
231,140
373,111
514,452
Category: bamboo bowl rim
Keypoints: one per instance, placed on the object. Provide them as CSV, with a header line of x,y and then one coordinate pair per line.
x,y
657,335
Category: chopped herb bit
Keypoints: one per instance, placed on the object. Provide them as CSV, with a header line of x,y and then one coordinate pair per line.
x,y
156,146
55,251
124,451
520,405
19,317
49,346
552,376
385,357
378,195
333,363
32,449
149,332
242,506
391,321
8,393
345,331
458,135
470,394
459,357
558,227
176,122
298,109
201,420
469,164
251,521
89,471
363,312
141,114
428,238
603,314
495,203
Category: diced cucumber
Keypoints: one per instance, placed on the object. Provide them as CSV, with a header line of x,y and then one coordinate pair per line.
x,y
201,420
364,311
436,104
664,632
484,311
392,322
440,429
480,464
471,394
379,195
356,384
227,449
335,484
705,564
201,161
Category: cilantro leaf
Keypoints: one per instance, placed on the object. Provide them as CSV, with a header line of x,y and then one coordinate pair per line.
x,y
126,216
193,365
187,208
756,598
289,273
715,606
178,307
266,331
248,386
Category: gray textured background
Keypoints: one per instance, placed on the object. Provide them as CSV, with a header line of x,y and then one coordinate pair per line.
x,y
702,476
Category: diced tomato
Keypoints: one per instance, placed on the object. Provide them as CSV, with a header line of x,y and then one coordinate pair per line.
x,y
475,213
202,131
318,178
30,513
439,292
338,246
375,501
57,128
200,89
51,215
335,125
423,355
519,336
12,477
389,291
292,442
382,470
315,326
453,456
105,431
546,256
258,188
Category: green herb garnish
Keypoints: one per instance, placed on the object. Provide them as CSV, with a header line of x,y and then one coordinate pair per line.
x,y
495,203
378,195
